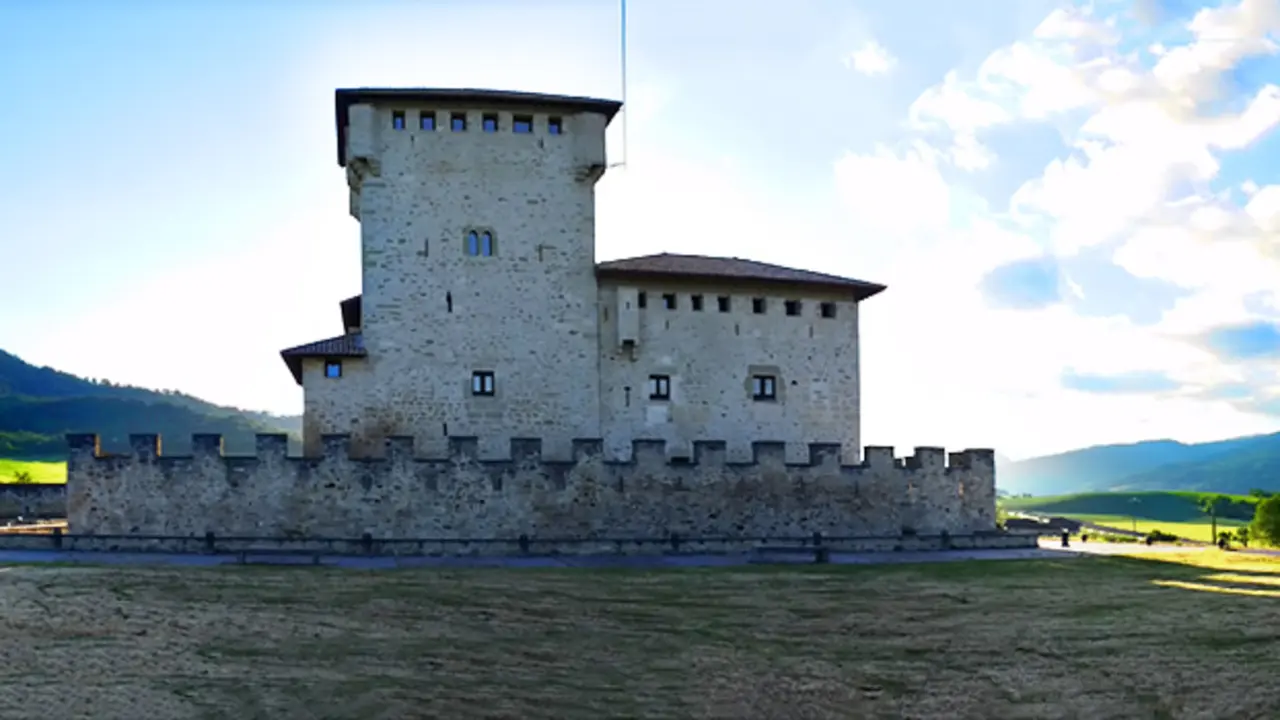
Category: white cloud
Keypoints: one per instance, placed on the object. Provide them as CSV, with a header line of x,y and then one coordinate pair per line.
x,y
871,59
1139,174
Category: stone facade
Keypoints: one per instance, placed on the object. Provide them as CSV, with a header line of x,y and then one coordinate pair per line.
x,y
34,501
402,496
478,249
721,395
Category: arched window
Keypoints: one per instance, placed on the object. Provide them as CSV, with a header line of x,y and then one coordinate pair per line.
x,y
473,243
486,243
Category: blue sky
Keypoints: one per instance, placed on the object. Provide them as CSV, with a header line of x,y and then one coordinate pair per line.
x,y
1076,208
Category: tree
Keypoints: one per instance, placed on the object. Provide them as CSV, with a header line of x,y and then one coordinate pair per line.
x,y
1211,505
1259,493
1266,521
1242,536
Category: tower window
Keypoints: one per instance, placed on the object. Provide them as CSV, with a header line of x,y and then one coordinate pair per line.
x,y
458,122
659,387
695,302
427,121
764,387
489,122
641,300
722,302
669,301
397,119
333,368
480,243
793,307
757,306
555,125
482,383
828,309
522,124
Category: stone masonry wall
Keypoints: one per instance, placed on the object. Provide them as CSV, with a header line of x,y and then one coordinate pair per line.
x,y
36,500
401,496
710,356
433,313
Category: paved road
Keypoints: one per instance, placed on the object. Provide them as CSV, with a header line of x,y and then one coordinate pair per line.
x,y
597,561
1106,548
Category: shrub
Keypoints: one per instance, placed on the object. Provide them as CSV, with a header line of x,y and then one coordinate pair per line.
x,y
1161,536
23,477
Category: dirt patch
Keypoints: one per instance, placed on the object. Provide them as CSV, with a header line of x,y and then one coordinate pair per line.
x,y
1092,637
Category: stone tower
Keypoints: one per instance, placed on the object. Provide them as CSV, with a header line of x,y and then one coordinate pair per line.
x,y
477,227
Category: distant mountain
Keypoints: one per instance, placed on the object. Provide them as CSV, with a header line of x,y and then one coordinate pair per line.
x,y
1238,466
39,405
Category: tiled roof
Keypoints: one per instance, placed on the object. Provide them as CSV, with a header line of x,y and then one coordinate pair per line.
x,y
495,99
702,267
351,345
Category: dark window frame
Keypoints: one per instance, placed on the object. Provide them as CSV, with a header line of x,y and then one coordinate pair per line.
x,y
659,387
764,387
484,383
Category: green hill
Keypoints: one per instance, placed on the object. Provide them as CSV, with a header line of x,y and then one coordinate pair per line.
x,y
39,405
1170,507
1237,465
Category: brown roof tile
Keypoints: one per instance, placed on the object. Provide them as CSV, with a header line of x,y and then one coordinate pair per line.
x,y
351,345
702,267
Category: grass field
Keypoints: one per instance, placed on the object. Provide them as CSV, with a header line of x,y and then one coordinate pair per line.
x,y
1103,637
41,472
1167,507
1202,531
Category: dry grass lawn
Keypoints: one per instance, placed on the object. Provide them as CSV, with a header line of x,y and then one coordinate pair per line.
x,y
1097,638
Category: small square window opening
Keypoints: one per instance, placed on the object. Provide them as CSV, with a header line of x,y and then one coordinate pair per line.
x,y
763,387
659,387
482,383
489,122
458,122
427,121
522,124
722,303
333,369
397,119
695,302
669,301
793,307
641,300
828,309
555,125
757,306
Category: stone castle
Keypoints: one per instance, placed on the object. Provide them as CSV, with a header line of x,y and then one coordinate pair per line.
x,y
493,380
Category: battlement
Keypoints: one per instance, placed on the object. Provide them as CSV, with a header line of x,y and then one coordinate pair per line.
x,y
706,453
457,495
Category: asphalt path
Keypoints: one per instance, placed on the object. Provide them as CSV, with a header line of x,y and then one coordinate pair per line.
x,y
13,557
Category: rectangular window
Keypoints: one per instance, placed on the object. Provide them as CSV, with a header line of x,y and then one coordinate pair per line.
x,y
522,124
458,122
427,121
641,300
489,122
828,310
333,368
764,387
554,126
397,119
695,302
793,307
480,243
757,306
723,303
659,387
669,301
482,383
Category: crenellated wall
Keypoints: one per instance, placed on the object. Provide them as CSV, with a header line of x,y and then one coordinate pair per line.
x,y
403,496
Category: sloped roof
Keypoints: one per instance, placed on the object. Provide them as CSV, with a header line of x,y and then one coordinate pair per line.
x,y
351,345
496,99
708,268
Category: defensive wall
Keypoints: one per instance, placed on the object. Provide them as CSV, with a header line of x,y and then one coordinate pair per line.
x,y
460,504
32,501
